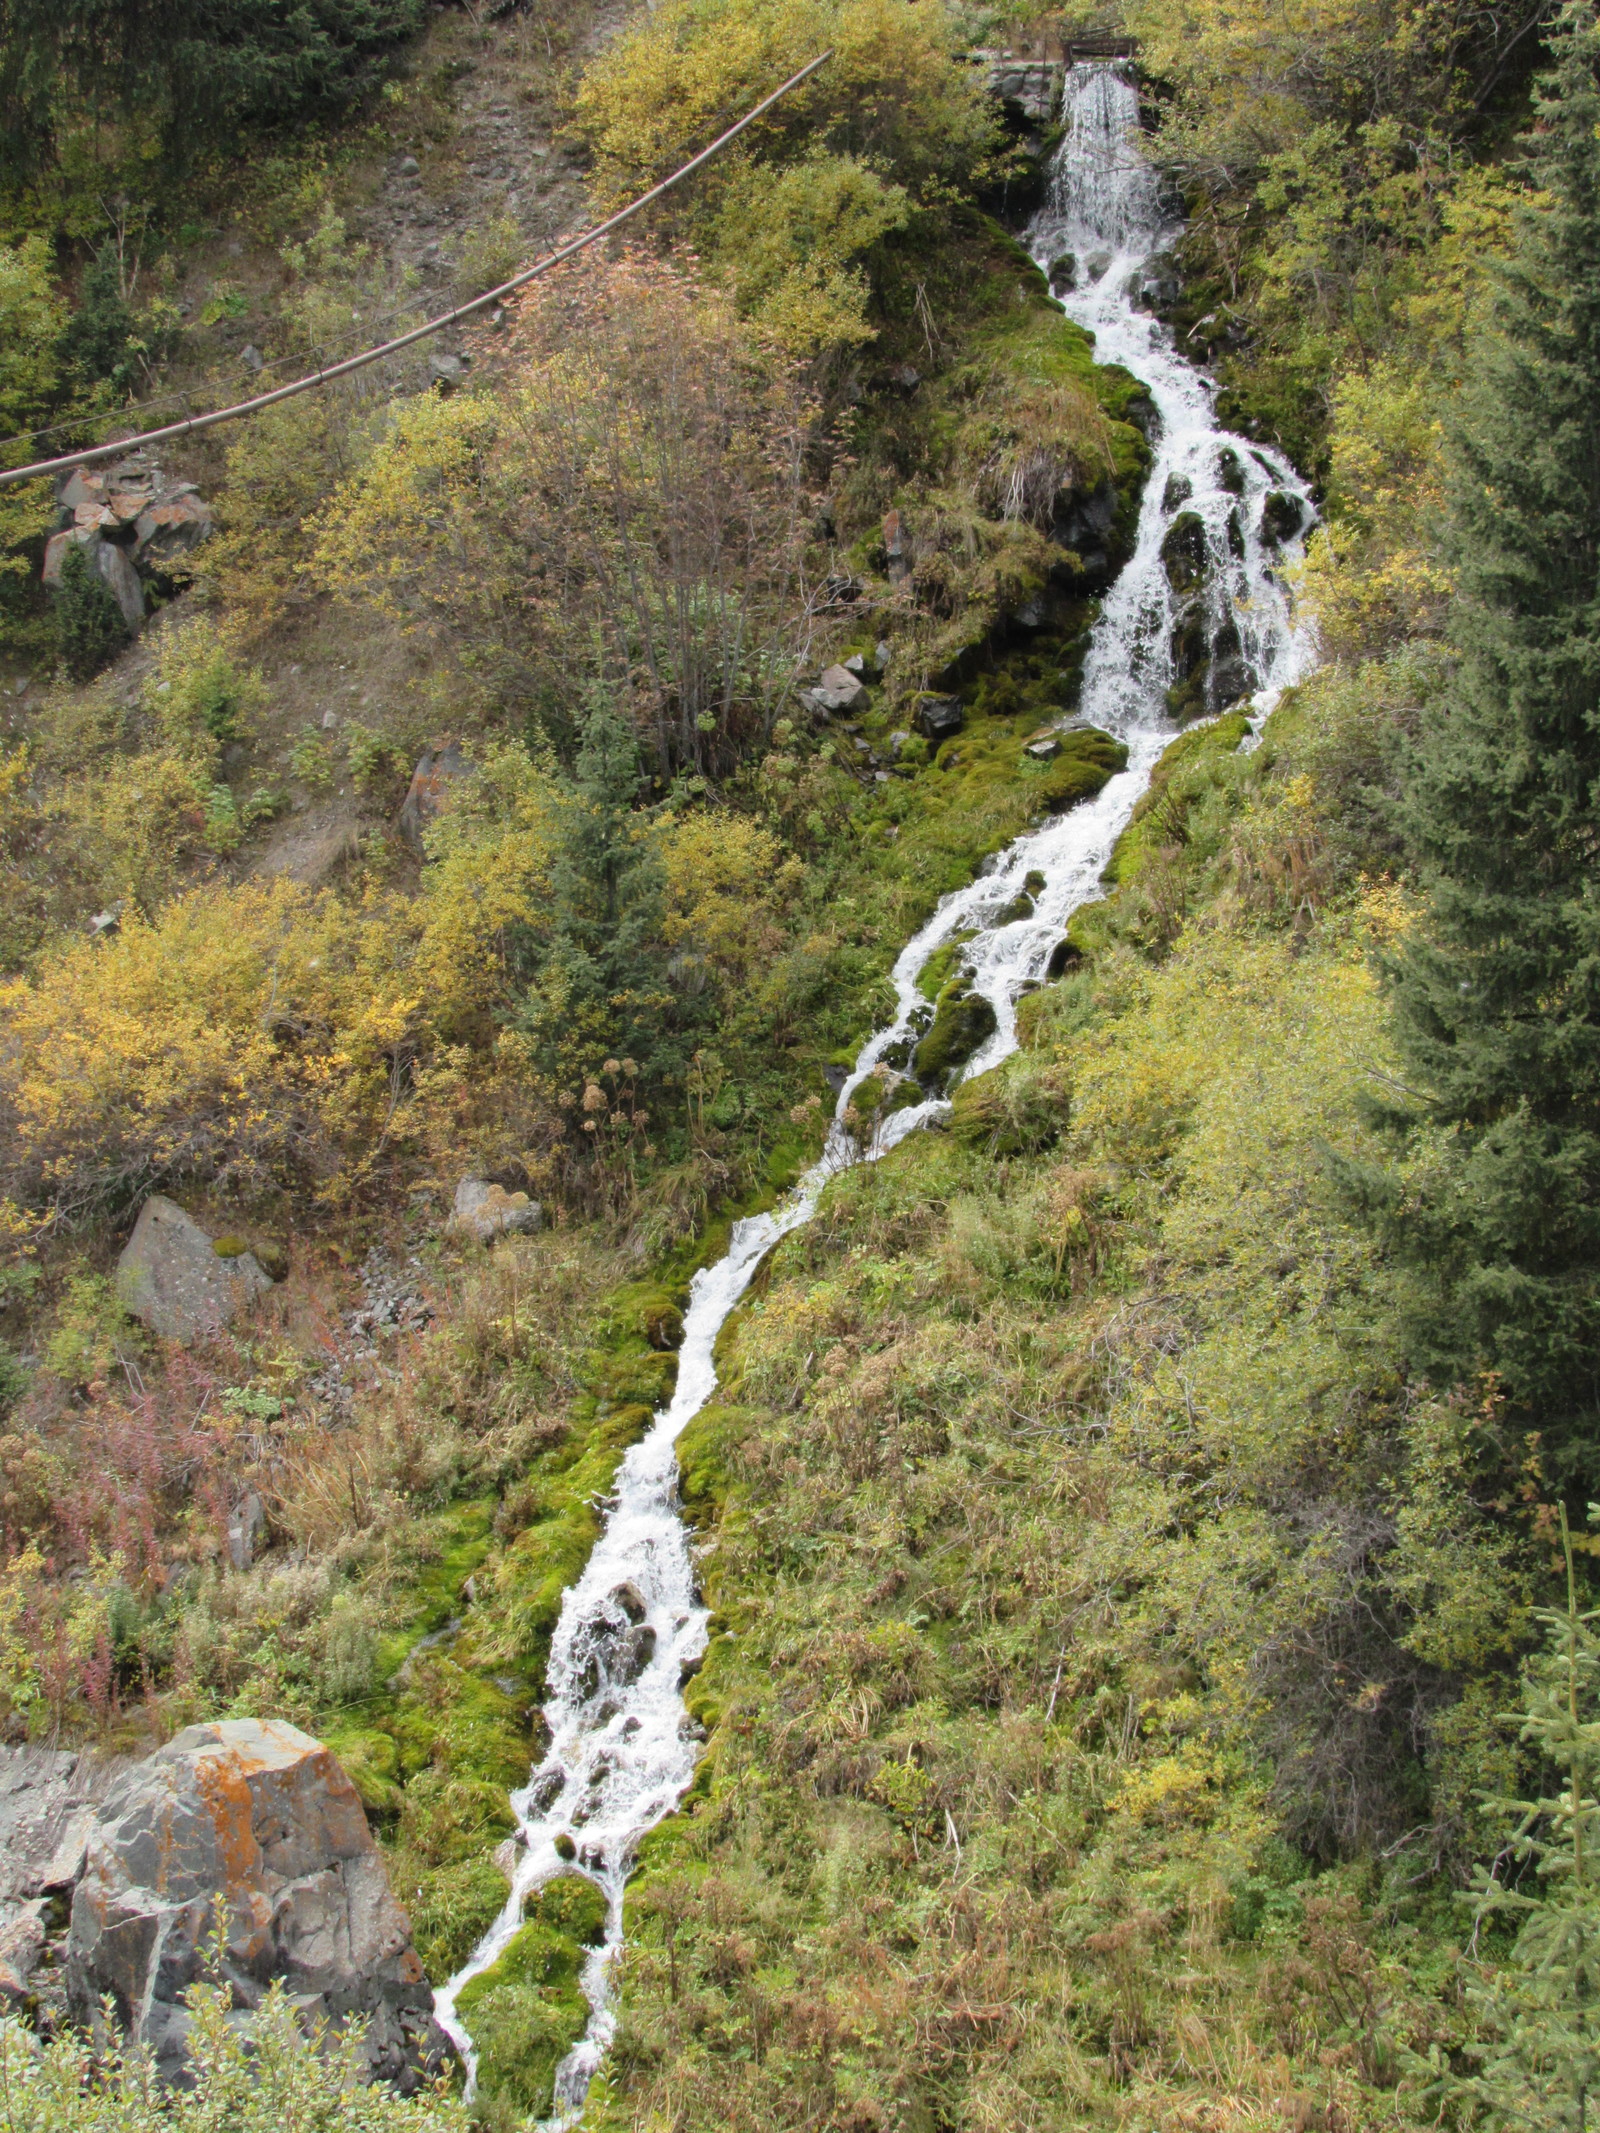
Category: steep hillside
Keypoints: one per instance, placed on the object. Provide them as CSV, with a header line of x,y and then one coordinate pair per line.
x,y
1151,1461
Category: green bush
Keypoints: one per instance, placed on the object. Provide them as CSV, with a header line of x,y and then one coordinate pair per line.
x,y
280,2078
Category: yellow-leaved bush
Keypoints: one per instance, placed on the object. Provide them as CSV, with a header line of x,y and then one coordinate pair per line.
x,y
267,1034
792,222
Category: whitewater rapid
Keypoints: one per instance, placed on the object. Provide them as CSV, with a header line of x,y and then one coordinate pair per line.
x,y
622,1748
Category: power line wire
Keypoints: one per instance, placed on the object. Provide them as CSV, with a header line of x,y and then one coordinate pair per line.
x,y
195,423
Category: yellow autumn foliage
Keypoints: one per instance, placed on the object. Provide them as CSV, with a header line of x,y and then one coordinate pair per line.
x,y
265,1032
894,92
727,882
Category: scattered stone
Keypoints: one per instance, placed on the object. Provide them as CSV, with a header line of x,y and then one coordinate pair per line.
x,y
252,1826
906,376
447,371
631,1600
251,357
409,167
437,769
855,664
172,1280
880,655
839,690
1045,749
1030,615
104,922
330,721
1063,273
1097,265
937,717
245,1529
1177,493
1230,471
488,1211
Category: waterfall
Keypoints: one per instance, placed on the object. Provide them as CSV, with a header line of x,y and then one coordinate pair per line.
x,y
622,1748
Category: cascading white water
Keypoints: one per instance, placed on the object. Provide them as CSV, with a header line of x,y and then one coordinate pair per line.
x,y
622,1748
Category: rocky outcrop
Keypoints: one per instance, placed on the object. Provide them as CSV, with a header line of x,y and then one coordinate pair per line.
x,y
47,1809
487,1211
134,523
438,768
1033,85
176,1281
246,1834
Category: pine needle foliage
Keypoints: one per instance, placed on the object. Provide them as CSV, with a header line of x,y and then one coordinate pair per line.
x,y
1497,991
1539,2063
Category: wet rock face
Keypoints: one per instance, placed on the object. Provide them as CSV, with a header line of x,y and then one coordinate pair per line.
x,y
251,1826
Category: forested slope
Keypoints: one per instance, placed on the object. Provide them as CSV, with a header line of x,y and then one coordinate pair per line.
x,y
1131,1511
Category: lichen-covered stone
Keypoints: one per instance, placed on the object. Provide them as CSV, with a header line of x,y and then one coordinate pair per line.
x,y
173,1279
250,1830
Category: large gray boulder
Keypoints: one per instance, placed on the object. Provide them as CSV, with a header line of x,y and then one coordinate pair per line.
x,y
247,1828
174,1280
47,1809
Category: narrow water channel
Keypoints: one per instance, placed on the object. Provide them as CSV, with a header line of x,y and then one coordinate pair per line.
x,y
622,1747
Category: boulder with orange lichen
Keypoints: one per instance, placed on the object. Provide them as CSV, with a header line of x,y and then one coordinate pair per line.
x,y
241,1851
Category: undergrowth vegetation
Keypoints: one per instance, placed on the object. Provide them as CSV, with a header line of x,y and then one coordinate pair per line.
x,y
1118,1601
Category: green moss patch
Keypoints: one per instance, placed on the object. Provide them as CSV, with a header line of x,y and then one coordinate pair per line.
x,y
528,2010
1161,817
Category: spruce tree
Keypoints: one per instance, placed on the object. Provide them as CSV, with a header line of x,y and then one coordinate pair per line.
x,y
601,988
1498,991
1538,2017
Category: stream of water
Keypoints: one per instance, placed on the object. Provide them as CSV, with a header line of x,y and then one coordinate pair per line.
x,y
622,1748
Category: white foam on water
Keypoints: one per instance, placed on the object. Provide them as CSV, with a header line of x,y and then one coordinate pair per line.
x,y
622,1748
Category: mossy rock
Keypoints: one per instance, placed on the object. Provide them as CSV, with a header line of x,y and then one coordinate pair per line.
x,y
451,1908
629,1422
573,1905
1183,770
1015,1109
1089,759
645,1379
528,2010
936,971
703,1469
1184,553
962,1021
649,1312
